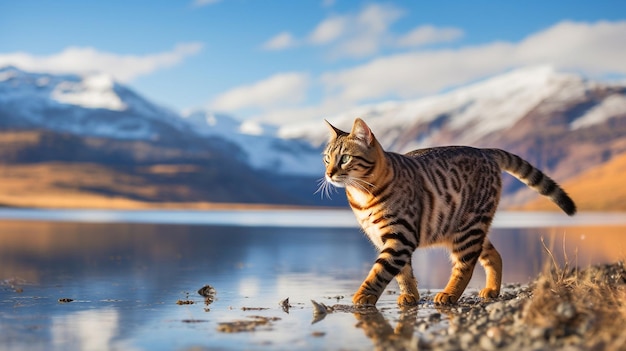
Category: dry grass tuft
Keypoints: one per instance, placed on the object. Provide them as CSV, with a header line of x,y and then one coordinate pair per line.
x,y
587,307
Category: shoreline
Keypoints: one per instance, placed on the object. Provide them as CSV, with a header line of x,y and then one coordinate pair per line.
x,y
561,309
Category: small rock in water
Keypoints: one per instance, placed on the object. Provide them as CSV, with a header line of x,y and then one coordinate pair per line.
x,y
209,294
284,304
319,311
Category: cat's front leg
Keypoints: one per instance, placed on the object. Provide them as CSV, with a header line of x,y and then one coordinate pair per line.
x,y
393,257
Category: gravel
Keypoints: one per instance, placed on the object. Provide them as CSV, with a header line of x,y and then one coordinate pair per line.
x,y
552,313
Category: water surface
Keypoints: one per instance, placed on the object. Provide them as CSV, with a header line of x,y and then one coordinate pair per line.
x,y
125,277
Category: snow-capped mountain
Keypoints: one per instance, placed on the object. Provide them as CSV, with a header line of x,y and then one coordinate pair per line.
x,y
264,150
560,122
92,105
468,114
95,105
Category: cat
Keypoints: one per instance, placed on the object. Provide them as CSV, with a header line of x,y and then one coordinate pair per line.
x,y
440,195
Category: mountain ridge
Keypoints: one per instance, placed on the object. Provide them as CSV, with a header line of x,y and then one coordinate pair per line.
x,y
562,123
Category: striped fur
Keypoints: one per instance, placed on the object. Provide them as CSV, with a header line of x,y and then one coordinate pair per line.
x,y
445,196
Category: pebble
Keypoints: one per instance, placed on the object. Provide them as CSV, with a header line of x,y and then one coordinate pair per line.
x,y
435,317
565,311
539,333
464,309
496,335
486,343
467,341
422,327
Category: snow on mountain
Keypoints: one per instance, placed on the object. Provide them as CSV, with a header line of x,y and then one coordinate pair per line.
x,y
560,122
264,150
610,107
95,105
98,106
468,114
92,105
95,91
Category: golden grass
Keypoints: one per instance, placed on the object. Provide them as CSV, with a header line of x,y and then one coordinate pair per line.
x,y
572,303
63,184
598,189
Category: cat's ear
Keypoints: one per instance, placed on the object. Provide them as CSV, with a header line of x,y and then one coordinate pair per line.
x,y
361,131
334,131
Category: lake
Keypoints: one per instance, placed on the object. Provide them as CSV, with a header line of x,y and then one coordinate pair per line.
x,y
131,277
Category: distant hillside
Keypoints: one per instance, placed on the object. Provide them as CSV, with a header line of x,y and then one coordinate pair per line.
x,y
50,169
89,137
598,189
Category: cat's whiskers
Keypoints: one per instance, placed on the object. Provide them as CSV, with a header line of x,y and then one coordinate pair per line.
x,y
365,182
324,188
359,184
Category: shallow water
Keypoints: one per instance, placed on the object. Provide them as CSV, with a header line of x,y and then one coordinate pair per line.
x,y
125,278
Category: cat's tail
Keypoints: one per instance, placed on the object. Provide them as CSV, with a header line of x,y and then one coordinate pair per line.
x,y
534,178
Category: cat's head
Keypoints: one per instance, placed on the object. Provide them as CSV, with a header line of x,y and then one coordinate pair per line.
x,y
350,158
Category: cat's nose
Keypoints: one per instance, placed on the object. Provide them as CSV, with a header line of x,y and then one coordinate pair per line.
x,y
329,175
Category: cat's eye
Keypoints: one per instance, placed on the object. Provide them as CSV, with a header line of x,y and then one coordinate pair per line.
x,y
345,159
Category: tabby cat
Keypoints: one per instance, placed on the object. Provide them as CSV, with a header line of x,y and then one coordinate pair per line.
x,y
442,195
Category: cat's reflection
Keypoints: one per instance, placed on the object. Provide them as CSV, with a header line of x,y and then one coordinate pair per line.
x,y
380,331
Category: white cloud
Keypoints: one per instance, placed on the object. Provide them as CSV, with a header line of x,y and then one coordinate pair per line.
x,y
328,30
351,35
281,41
278,90
411,74
595,49
424,35
358,35
592,48
80,60
365,33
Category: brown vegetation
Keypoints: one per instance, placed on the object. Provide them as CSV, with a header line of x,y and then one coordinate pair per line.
x,y
569,303
78,185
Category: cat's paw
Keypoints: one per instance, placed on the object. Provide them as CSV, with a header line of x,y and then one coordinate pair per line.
x,y
408,300
364,299
444,298
489,293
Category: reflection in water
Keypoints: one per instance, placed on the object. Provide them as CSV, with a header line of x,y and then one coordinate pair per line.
x,y
383,336
126,278
89,330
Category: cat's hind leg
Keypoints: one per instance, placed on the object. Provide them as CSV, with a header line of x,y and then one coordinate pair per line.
x,y
465,252
492,263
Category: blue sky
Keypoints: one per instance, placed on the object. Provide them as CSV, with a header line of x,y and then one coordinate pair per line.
x,y
277,60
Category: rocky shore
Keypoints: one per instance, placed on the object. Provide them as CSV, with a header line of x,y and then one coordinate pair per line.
x,y
563,309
